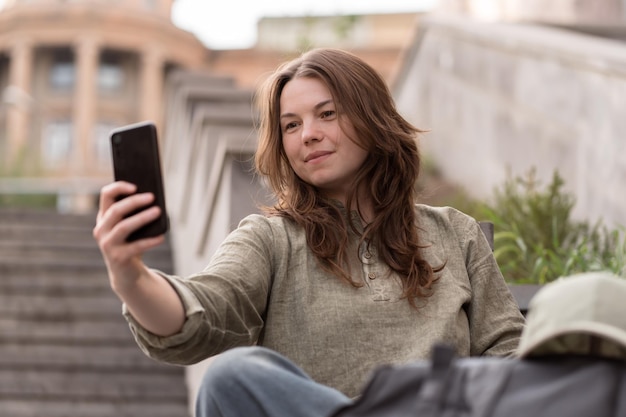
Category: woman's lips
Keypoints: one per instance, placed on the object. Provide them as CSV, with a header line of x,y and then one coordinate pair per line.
x,y
316,155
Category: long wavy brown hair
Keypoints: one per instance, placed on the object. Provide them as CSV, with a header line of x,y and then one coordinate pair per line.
x,y
388,175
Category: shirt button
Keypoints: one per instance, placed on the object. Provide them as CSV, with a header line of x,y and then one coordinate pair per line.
x,y
368,255
371,275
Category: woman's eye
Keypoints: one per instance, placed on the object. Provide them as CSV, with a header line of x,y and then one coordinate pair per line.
x,y
328,113
290,126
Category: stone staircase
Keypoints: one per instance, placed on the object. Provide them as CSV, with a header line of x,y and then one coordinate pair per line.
x,y
65,349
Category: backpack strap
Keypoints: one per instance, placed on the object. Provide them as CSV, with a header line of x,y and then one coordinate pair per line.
x,y
436,386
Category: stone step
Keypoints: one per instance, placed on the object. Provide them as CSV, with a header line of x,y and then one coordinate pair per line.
x,y
18,277
91,384
15,232
69,406
70,235
109,331
94,358
45,228
77,265
43,251
65,348
45,217
69,307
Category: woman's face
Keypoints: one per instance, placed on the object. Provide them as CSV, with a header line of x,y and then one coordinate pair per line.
x,y
318,149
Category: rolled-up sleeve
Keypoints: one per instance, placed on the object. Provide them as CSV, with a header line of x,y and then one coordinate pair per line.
x,y
224,304
149,342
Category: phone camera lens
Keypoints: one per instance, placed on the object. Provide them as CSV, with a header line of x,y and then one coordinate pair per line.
x,y
117,140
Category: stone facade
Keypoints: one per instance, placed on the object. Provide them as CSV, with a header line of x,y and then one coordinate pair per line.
x,y
500,97
566,12
72,71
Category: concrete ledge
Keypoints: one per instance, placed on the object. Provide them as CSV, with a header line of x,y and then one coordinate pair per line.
x,y
47,185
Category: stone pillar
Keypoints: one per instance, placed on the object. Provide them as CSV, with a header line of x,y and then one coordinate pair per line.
x,y
151,77
17,99
84,119
84,110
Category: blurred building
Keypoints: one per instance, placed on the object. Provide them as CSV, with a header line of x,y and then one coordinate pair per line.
x,y
70,71
379,39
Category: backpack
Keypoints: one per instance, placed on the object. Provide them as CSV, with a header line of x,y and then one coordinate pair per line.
x,y
446,386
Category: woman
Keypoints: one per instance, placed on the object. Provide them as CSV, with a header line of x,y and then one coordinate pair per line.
x,y
344,273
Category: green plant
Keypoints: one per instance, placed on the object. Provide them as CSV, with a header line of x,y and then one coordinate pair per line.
x,y
536,239
343,25
22,165
28,200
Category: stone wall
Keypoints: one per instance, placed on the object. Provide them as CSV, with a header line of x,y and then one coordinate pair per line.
x,y
504,98
593,12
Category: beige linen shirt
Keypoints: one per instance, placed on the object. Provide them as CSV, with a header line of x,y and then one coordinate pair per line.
x,y
265,286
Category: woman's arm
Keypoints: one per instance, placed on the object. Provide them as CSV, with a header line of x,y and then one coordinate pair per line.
x,y
150,299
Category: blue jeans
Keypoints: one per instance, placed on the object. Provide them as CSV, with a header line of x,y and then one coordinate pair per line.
x,y
258,382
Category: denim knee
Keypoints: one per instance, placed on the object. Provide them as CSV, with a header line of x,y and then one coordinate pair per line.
x,y
237,366
232,377
256,381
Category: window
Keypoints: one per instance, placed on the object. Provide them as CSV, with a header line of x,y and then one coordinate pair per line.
x,y
62,75
56,144
110,74
101,146
63,71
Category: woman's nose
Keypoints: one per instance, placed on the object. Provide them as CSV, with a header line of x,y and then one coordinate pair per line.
x,y
310,132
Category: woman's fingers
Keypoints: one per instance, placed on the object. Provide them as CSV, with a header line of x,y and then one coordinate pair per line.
x,y
123,257
124,225
111,193
122,216
117,218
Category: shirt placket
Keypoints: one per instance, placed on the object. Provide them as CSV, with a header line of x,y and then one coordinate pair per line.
x,y
373,274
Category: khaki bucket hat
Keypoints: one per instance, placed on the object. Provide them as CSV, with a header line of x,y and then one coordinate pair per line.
x,y
583,314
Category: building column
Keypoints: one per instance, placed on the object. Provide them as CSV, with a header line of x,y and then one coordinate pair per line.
x,y
84,109
18,100
84,118
152,82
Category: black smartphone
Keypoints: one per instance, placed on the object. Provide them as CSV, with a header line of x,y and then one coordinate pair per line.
x,y
135,154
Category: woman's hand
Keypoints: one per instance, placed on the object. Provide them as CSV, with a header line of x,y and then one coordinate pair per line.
x,y
149,297
122,258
